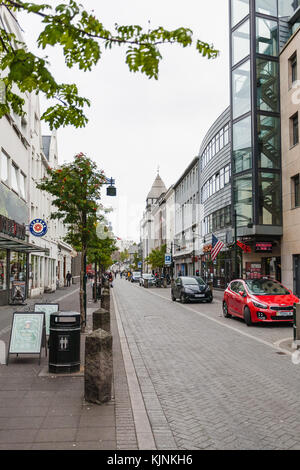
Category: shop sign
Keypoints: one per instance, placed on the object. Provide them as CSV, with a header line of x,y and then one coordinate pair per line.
x,y
253,270
38,227
12,228
263,247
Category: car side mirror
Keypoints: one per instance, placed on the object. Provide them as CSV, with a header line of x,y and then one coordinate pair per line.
x,y
242,294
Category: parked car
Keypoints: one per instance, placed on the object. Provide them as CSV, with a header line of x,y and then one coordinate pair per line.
x,y
149,277
188,288
135,276
259,300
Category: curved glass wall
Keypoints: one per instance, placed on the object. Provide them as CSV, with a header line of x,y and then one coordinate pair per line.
x,y
241,42
242,145
239,9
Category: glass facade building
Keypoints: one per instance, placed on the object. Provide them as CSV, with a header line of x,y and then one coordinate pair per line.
x,y
256,157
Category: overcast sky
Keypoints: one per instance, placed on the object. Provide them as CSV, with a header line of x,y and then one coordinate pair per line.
x,y
137,124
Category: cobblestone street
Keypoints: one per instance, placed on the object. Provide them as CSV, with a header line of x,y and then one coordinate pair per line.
x,y
209,383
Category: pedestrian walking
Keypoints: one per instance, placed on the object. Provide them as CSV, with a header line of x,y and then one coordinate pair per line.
x,y
68,277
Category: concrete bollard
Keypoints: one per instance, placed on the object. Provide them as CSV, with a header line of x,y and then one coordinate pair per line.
x,y
105,301
98,367
101,319
165,282
146,283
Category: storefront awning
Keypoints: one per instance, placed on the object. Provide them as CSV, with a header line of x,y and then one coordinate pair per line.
x,y
19,245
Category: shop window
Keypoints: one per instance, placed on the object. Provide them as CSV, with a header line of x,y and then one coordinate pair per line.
x,y
3,265
17,267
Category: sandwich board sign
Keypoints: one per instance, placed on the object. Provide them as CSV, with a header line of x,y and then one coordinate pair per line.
x,y
27,334
48,309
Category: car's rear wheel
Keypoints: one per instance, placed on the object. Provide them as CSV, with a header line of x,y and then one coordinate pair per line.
x,y
225,310
247,316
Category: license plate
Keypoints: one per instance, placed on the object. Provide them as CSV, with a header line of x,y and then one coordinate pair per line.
x,y
199,295
284,313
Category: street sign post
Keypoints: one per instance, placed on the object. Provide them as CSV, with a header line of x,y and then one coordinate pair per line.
x,y
168,260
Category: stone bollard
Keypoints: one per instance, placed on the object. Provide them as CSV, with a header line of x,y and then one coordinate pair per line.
x,y
98,367
105,300
146,283
165,282
101,319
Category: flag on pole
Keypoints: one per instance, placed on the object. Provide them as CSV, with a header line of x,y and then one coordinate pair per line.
x,y
217,245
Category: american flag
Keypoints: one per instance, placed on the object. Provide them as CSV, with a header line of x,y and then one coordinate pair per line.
x,y
217,245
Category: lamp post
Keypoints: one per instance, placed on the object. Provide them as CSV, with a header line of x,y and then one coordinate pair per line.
x,y
110,191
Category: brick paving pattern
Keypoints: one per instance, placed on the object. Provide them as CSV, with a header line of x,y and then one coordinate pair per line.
x,y
206,386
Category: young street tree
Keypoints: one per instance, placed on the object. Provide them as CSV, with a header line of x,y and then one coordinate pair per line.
x,y
156,258
82,38
75,188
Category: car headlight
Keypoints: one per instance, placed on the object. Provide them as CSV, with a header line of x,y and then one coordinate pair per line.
x,y
259,305
188,291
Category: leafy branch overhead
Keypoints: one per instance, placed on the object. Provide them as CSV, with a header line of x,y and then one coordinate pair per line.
x,y
82,38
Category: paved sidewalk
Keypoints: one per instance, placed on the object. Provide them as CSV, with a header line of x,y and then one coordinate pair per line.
x,y
43,411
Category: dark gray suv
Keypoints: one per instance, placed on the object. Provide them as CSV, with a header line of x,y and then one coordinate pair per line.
x,y
191,288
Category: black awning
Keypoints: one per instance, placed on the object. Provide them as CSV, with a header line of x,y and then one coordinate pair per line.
x,y
19,245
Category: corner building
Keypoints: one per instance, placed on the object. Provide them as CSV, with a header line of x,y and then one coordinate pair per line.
x,y
258,30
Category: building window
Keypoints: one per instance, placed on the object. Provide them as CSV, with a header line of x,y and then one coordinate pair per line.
x,y
241,42
267,7
241,94
266,37
239,9
269,199
22,185
294,130
4,167
295,191
292,69
267,85
14,178
242,191
268,141
242,145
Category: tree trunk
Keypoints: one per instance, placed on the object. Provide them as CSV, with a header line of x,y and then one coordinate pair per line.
x,y
81,292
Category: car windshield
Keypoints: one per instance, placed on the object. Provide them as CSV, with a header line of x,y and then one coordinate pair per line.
x,y
266,287
187,281
136,274
147,276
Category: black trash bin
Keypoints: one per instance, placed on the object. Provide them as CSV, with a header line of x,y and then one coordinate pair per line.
x,y
64,342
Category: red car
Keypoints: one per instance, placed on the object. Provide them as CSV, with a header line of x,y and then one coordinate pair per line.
x,y
259,300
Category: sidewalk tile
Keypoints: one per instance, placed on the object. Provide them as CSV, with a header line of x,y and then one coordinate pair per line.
x,y
55,435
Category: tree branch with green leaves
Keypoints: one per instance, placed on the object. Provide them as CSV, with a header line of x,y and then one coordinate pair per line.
x,y
82,38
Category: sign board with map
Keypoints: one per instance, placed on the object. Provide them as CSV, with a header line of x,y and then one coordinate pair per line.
x,y
27,334
48,309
